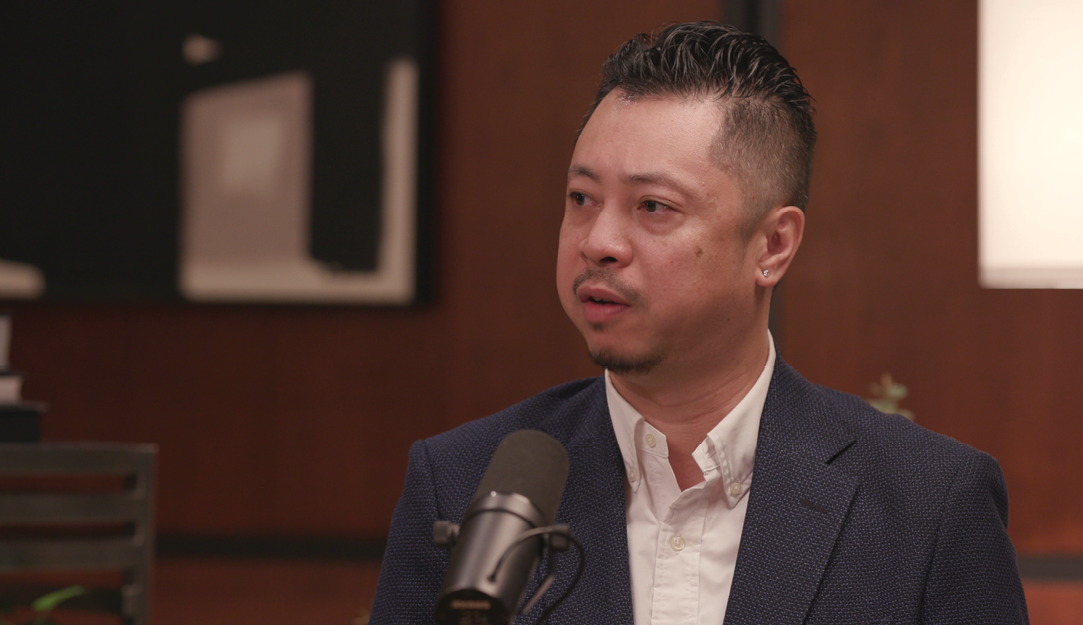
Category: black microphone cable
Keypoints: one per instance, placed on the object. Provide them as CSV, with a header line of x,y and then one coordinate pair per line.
x,y
557,539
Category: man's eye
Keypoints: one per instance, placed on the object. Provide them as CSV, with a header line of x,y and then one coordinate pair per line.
x,y
653,207
578,198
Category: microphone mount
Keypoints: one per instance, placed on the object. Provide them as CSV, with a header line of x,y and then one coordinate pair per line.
x,y
555,539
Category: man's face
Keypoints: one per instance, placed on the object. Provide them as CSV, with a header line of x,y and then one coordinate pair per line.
x,y
653,268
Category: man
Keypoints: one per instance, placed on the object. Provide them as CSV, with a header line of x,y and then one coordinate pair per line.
x,y
708,480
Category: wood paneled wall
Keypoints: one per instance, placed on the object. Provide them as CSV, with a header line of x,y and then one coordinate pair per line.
x,y
296,421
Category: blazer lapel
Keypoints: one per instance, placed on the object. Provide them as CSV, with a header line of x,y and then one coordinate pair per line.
x,y
593,505
797,505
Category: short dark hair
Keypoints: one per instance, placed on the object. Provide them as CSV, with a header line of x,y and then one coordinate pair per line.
x,y
767,134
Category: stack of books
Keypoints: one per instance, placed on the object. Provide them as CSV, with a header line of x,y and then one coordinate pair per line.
x,y
20,422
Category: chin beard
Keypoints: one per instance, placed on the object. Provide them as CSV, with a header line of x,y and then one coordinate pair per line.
x,y
625,365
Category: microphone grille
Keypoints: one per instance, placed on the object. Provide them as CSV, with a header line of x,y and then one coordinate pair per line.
x,y
530,463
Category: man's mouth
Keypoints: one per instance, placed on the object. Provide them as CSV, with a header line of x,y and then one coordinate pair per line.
x,y
601,305
599,295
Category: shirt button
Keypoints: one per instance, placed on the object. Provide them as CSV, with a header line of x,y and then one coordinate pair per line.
x,y
677,543
651,442
632,475
735,488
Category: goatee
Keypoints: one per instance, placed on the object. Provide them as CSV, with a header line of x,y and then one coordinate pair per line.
x,y
624,365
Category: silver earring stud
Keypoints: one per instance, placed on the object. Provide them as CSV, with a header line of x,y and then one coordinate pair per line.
x,y
766,273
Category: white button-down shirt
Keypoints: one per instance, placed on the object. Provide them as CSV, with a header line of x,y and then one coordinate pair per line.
x,y
682,546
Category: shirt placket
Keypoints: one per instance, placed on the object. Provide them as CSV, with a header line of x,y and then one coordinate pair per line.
x,y
676,577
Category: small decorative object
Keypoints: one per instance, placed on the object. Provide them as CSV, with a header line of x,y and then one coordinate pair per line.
x,y
886,396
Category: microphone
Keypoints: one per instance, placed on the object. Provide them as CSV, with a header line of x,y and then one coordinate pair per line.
x,y
492,560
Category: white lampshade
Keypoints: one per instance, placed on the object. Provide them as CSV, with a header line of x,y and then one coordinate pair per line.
x,y
1031,143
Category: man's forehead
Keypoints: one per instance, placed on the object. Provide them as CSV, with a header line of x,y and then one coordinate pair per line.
x,y
671,108
639,129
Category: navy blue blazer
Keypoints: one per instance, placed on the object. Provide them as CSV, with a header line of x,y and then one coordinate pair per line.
x,y
854,516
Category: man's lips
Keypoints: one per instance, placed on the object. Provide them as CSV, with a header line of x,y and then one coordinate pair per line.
x,y
599,295
600,304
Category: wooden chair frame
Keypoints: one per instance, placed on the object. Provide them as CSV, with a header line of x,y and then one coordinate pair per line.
x,y
132,555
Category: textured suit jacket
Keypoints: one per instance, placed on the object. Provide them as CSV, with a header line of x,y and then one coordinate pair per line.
x,y
853,516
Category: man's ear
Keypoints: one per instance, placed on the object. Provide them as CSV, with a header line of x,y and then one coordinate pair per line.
x,y
780,232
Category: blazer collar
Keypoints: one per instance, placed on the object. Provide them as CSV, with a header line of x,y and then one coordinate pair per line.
x,y
593,505
797,504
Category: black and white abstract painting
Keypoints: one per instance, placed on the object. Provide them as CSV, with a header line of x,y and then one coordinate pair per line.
x,y
216,152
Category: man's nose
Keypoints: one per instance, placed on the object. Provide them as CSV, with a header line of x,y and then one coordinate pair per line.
x,y
606,241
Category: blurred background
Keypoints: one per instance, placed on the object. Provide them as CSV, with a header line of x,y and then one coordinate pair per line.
x,y
283,428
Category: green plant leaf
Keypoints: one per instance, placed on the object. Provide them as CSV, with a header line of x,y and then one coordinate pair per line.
x,y
47,603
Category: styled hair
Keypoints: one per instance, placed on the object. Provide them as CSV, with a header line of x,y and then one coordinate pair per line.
x,y
767,135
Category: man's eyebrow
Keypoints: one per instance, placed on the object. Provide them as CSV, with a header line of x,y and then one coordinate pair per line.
x,y
657,178
581,170
660,179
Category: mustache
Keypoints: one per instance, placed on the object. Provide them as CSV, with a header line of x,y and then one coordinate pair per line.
x,y
611,282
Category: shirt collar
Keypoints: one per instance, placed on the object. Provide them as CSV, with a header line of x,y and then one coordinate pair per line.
x,y
730,447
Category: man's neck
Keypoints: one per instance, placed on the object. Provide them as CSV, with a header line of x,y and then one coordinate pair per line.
x,y
686,407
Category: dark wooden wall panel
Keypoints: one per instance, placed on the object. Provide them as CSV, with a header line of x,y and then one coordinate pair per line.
x,y
887,278
296,421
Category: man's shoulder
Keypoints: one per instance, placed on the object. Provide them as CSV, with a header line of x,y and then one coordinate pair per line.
x,y
885,443
574,413
920,518
895,435
904,462
567,412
